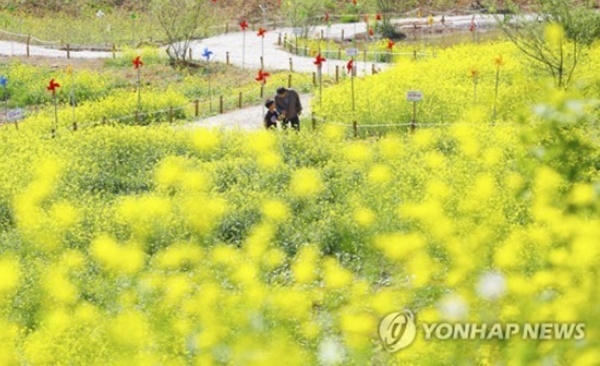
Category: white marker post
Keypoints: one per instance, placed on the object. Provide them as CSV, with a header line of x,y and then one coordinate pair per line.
x,y
414,97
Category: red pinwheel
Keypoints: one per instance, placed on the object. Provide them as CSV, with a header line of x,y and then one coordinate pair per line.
x,y
326,17
319,60
472,26
390,44
371,33
137,62
244,25
355,2
261,32
52,86
378,16
262,76
350,66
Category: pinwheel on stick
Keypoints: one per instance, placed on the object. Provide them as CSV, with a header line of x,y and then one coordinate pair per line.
x,y
498,62
319,62
4,85
137,64
52,87
243,27
350,70
262,79
390,48
207,54
261,33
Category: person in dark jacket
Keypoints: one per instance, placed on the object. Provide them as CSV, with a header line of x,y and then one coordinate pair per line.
x,y
272,115
287,102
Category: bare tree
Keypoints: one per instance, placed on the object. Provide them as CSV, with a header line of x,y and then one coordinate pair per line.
x,y
556,37
181,21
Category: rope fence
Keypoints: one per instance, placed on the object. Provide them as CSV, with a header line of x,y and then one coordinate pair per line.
x,y
254,23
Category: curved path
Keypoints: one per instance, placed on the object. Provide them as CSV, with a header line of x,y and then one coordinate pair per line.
x,y
275,58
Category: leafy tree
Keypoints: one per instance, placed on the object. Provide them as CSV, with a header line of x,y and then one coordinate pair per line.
x,y
557,37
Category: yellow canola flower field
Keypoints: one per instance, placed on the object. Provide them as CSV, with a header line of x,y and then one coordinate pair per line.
x,y
156,245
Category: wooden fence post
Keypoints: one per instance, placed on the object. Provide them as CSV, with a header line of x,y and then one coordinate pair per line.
x,y
291,65
190,54
342,35
240,100
221,104
114,51
28,43
196,107
337,74
227,58
68,51
355,128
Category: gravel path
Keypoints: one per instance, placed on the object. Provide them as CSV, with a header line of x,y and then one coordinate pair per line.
x,y
275,58
249,119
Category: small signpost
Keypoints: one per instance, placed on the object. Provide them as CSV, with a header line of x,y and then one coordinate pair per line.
x,y
351,52
414,96
14,115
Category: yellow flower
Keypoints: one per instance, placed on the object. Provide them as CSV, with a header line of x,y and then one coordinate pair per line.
x,y
275,211
305,266
205,140
499,61
10,274
306,182
473,73
364,217
380,174
554,33
334,275
582,194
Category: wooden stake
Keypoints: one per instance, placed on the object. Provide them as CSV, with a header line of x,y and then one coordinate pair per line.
x,y
68,51
196,107
413,123
240,101
227,58
355,128
289,80
314,78
171,115
337,74
291,65
28,43
221,104
114,51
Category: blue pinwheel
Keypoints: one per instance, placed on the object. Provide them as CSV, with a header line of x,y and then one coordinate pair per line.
x,y
3,81
207,54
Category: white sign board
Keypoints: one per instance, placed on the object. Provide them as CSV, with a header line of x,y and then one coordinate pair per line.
x,y
414,96
351,51
15,115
